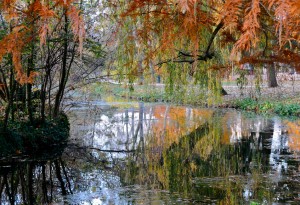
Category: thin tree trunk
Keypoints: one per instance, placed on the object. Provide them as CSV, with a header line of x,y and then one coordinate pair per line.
x,y
29,86
68,72
30,184
44,184
140,71
44,85
63,70
10,101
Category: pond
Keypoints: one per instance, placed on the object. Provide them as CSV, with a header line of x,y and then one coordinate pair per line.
x,y
136,153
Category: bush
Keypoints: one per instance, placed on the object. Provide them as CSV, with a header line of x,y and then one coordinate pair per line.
x,y
287,109
28,138
247,104
269,107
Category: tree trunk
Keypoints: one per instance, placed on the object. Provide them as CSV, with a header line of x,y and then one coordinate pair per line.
x,y
44,89
11,93
63,74
271,75
29,85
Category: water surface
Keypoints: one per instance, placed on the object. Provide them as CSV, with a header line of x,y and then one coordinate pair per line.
x,y
135,153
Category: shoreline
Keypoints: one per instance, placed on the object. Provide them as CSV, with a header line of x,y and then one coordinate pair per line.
x,y
283,100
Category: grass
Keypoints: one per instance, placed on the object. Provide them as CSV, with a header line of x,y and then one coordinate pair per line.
x,y
150,93
279,107
229,83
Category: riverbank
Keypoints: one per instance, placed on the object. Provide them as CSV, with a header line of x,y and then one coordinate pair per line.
x,y
283,100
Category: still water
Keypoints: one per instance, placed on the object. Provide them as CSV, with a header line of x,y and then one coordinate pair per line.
x,y
136,153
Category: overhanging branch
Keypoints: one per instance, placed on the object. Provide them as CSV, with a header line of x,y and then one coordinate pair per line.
x,y
186,57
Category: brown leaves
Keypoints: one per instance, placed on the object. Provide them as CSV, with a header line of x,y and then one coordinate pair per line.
x,y
231,13
186,6
41,10
170,23
21,77
285,56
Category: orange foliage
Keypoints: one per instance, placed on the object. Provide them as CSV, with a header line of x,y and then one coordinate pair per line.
x,y
173,21
13,43
250,28
37,16
174,122
293,129
77,24
9,7
230,13
183,24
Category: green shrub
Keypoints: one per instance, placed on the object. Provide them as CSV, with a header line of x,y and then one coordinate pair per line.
x,y
25,137
269,107
265,107
287,109
247,104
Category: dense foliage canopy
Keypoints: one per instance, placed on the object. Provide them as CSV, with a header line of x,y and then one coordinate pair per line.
x,y
267,30
30,20
186,42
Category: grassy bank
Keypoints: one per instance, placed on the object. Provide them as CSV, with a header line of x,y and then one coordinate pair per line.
x,y
265,104
152,93
283,107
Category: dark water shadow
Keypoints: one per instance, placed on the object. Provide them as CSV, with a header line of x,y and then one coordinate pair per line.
x,y
37,179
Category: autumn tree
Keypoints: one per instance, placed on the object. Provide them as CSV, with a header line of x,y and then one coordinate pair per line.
x,y
38,44
208,34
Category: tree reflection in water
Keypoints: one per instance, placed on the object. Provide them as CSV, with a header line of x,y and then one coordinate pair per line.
x,y
165,155
221,157
33,180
